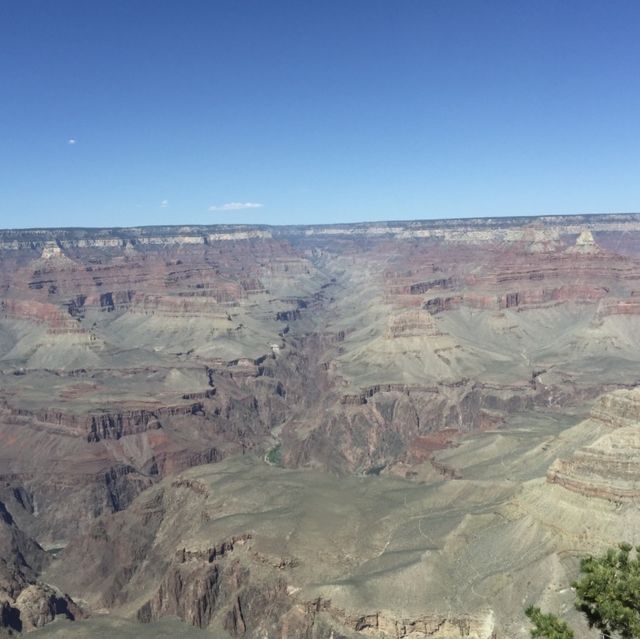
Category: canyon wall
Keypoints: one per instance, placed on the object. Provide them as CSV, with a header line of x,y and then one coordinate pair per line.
x,y
128,356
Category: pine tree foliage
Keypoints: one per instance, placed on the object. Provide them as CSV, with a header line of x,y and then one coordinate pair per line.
x,y
607,592
547,626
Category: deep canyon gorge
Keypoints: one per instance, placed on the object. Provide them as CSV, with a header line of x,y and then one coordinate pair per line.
x,y
389,430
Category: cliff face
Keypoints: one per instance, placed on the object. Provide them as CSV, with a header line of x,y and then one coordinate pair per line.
x,y
250,550
25,602
239,572
138,352
609,468
130,355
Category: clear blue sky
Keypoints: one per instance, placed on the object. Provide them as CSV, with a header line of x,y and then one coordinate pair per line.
x,y
123,112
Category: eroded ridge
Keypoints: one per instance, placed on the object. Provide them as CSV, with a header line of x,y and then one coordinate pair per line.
x,y
458,383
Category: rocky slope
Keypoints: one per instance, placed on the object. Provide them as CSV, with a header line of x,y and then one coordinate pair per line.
x,y
243,549
128,356
26,602
609,468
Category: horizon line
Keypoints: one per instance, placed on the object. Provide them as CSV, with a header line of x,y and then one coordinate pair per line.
x,y
429,221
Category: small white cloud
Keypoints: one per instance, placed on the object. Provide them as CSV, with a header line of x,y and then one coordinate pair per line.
x,y
236,206
71,141
164,204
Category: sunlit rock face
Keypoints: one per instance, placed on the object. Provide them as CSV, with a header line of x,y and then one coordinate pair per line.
x,y
139,352
26,603
609,468
410,352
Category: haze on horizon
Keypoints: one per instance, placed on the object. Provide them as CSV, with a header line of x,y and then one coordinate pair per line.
x,y
284,112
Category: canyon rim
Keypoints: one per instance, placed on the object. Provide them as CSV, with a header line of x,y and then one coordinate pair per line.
x,y
389,430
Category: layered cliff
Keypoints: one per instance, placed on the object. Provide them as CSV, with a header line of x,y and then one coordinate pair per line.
x,y
141,351
229,565
377,350
609,468
26,602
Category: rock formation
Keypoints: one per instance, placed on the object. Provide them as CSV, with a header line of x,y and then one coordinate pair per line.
x,y
25,602
419,350
609,468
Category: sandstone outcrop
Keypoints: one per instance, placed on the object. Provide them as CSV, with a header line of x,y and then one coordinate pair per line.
x,y
412,324
617,409
25,602
610,467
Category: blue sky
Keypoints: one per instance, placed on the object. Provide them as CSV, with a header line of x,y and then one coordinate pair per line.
x,y
127,112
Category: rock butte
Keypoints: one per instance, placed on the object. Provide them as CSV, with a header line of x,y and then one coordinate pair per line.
x,y
403,429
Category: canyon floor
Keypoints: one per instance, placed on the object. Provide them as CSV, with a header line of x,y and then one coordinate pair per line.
x,y
385,430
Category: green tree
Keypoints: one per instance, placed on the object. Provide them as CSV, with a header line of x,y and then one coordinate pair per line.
x,y
547,626
607,592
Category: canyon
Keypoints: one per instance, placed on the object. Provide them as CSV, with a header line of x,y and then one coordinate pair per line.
x,y
393,429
